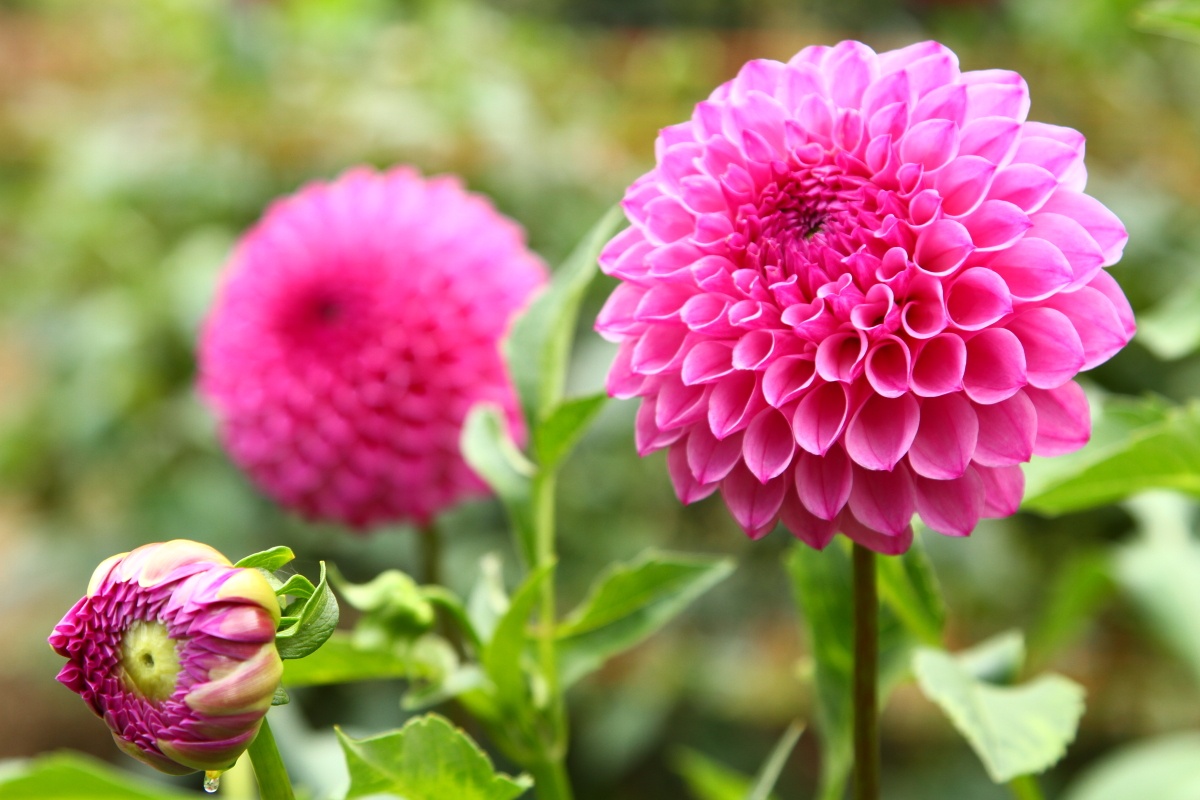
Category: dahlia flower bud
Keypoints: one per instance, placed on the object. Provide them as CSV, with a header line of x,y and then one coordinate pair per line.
x,y
857,286
358,323
175,649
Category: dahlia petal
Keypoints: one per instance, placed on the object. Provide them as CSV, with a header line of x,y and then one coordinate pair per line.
x,y
1007,430
707,313
996,93
1101,331
939,366
616,319
710,459
1003,488
1053,352
249,687
787,378
992,138
667,220
931,143
823,482
768,445
678,162
995,366
622,382
963,183
679,405
883,501
661,303
734,402
706,362
881,432
977,299
854,66
760,117
1027,186
924,315
1062,160
1064,420
947,102
883,543
1100,223
943,247
946,438
754,351
687,488
889,367
1107,285
923,209
821,417
996,224
938,68
951,507
754,505
674,265
1033,269
757,75
647,436
812,530
660,348
840,357
900,58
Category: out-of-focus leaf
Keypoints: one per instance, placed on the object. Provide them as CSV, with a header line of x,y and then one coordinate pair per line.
x,y
1179,18
502,655
1163,768
427,759
392,603
909,586
315,623
1080,586
537,348
996,660
1163,454
708,779
491,452
823,586
74,776
269,560
558,434
1171,330
768,774
466,678
488,601
342,660
629,602
1015,730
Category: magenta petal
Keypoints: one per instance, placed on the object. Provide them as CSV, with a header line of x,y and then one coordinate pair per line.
x,y
1053,352
647,436
992,138
952,507
996,224
884,543
1064,419
995,366
706,362
940,366
1026,186
1107,285
883,501
660,348
977,298
768,445
754,505
839,357
679,405
1033,269
813,531
1003,488
616,318
963,183
931,143
687,488
1101,330
787,378
943,247
1007,430
1100,223
882,431
733,403
821,417
710,459
946,438
889,365
1073,241
823,482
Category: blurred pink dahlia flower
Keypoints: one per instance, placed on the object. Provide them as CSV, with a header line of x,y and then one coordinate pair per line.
x,y
174,649
358,322
857,287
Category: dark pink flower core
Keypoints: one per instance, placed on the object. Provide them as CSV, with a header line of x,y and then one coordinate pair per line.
x,y
358,323
857,287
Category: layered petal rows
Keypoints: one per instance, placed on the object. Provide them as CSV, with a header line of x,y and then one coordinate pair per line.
x,y
358,323
857,287
174,649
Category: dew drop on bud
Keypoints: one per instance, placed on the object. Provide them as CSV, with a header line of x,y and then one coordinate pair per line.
x,y
212,781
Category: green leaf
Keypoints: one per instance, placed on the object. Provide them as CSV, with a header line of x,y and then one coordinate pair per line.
x,y
315,623
1080,587
269,560
491,452
557,435
768,774
1179,18
281,697
342,660
708,779
628,603
822,584
71,776
1135,447
392,603
502,655
1171,329
427,759
908,585
1163,768
1015,730
488,601
537,348
296,586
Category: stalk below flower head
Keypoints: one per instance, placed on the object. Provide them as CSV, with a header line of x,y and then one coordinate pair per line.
x,y
357,324
174,649
857,286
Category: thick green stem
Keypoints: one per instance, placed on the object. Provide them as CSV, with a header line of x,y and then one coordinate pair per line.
x,y
1025,787
550,780
273,782
866,681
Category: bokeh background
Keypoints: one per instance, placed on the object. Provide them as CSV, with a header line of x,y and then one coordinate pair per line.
x,y
137,140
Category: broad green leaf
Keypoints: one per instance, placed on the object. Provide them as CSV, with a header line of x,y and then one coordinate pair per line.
x,y
488,601
269,560
314,624
1179,18
503,654
822,583
909,587
537,348
1163,768
768,774
491,452
629,602
557,435
708,779
1135,448
1171,329
343,660
995,660
296,586
75,776
1015,730
427,759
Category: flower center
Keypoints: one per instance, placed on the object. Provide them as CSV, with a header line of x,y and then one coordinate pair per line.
x,y
149,660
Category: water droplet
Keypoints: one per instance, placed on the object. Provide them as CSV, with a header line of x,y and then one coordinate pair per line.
x,y
212,781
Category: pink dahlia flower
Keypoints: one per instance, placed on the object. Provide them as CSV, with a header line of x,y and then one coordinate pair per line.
x,y
857,287
358,322
175,649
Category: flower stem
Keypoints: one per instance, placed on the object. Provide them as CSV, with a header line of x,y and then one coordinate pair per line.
x,y
550,780
1025,787
273,781
866,682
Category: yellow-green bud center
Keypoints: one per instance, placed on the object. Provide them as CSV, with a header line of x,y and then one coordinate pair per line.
x,y
149,661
